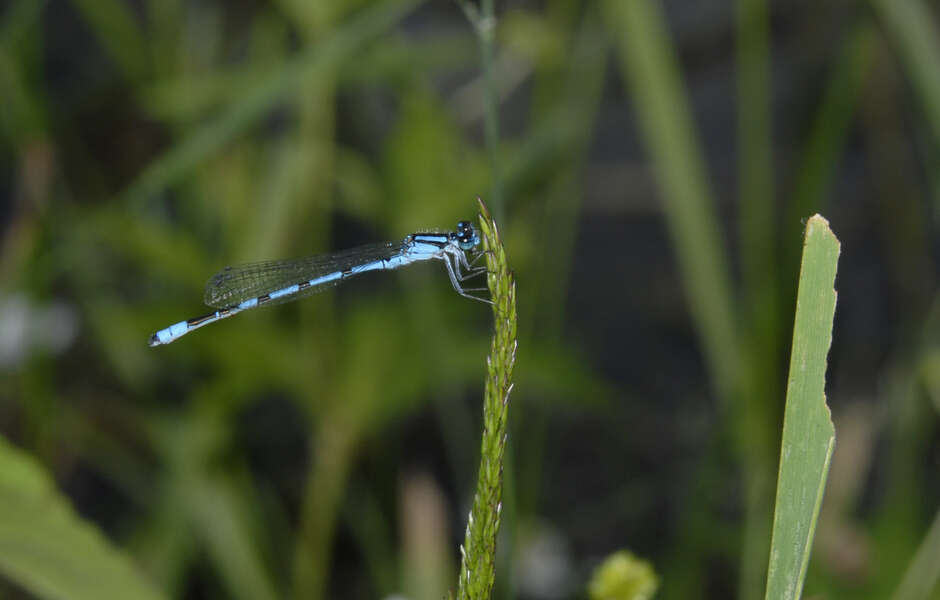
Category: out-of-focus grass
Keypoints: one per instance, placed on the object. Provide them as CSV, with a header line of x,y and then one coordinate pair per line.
x,y
740,363
650,67
913,31
116,27
759,329
483,21
830,127
248,108
22,119
923,574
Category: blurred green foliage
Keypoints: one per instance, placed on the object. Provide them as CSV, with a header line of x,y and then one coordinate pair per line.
x,y
145,144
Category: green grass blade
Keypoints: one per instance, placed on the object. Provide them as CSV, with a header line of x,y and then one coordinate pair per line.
x,y
50,551
923,573
478,562
808,434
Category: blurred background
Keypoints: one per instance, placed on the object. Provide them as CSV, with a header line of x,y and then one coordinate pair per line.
x,y
655,166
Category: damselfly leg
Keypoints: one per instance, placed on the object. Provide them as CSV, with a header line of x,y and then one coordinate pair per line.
x,y
453,268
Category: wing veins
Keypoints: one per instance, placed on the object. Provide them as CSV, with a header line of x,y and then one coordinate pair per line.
x,y
235,284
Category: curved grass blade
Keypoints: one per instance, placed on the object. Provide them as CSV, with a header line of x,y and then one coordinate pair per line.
x,y
50,551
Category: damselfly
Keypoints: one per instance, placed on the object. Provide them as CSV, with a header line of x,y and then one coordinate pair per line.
x,y
234,289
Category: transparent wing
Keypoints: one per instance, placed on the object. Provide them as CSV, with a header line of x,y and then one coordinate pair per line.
x,y
236,284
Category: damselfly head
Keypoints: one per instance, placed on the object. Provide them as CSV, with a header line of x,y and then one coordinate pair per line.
x,y
466,236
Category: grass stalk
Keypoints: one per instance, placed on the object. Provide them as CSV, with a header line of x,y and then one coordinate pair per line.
x,y
478,552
